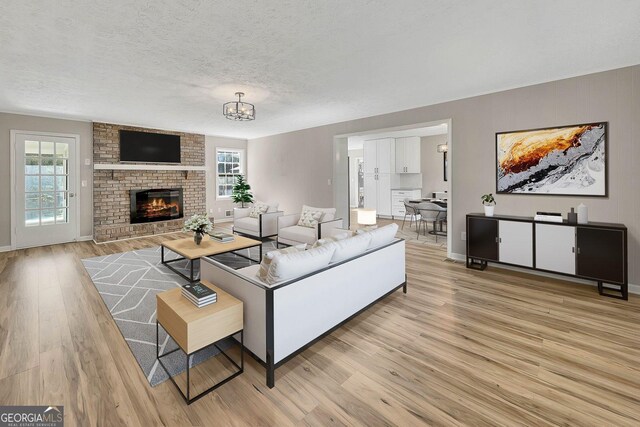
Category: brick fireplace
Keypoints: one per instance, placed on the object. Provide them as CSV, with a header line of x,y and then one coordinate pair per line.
x,y
113,188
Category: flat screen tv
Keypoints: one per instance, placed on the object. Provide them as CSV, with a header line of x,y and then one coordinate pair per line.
x,y
149,147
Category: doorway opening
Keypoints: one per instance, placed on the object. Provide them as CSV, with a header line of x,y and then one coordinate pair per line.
x,y
404,173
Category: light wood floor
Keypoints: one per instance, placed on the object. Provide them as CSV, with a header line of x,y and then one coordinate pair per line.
x,y
461,348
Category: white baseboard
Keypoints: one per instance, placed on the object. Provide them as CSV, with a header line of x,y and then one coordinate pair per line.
x,y
5,248
633,289
85,238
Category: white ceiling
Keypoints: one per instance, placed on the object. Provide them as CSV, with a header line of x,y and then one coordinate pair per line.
x,y
172,63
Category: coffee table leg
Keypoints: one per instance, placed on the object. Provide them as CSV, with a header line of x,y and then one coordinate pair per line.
x,y
191,269
157,340
162,254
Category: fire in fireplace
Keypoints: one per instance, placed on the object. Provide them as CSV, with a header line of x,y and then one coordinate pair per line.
x,y
156,205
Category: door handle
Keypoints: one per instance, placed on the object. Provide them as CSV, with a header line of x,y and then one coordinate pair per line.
x,y
578,251
573,250
497,240
72,194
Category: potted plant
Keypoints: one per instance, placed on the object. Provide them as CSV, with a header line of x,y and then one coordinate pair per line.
x,y
199,224
489,204
241,192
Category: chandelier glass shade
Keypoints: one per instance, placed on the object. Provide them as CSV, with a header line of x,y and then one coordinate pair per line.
x,y
238,110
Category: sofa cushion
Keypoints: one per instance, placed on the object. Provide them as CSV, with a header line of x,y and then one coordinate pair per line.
x,y
257,209
296,233
329,214
382,235
334,238
268,258
247,223
296,264
348,248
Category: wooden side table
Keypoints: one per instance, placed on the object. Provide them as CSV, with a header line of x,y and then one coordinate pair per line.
x,y
195,329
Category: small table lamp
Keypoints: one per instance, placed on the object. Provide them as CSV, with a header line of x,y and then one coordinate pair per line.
x,y
367,218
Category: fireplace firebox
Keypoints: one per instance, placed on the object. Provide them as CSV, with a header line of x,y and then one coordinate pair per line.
x,y
156,205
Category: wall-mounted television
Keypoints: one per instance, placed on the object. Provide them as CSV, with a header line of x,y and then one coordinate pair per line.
x,y
149,147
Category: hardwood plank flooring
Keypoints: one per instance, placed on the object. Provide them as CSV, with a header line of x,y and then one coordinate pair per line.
x,y
461,348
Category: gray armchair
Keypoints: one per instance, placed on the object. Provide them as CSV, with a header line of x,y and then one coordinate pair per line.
x,y
434,214
262,227
290,233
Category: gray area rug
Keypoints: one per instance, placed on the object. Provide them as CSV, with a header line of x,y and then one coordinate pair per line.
x,y
128,283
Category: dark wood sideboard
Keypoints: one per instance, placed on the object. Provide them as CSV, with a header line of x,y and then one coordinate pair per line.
x,y
594,251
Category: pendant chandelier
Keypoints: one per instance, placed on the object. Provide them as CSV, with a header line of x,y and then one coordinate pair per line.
x,y
238,110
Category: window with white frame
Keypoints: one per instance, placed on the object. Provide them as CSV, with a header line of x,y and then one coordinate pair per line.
x,y
229,164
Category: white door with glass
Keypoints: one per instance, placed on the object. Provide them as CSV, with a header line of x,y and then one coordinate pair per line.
x,y
45,193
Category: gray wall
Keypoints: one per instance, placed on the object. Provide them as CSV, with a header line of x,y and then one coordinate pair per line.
x,y
431,164
211,143
294,167
10,122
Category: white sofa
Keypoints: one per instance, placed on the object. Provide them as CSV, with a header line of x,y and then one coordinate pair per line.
x,y
265,226
282,319
290,233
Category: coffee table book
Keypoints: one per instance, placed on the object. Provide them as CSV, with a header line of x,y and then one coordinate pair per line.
x,y
199,294
222,237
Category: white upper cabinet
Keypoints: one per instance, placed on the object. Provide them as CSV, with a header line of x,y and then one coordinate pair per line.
x,y
379,155
407,152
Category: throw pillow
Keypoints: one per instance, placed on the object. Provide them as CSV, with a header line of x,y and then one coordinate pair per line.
x,y
258,209
290,266
268,258
310,218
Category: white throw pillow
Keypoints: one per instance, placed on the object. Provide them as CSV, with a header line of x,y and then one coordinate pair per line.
x,y
268,258
348,248
292,265
334,238
329,213
309,218
257,209
382,235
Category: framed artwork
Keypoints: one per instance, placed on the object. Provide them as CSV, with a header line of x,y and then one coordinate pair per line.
x,y
566,160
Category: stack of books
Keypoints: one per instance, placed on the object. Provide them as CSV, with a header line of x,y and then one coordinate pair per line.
x,y
199,294
221,237
548,217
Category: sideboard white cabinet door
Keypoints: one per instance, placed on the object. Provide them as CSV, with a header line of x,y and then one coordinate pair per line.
x,y
516,242
555,248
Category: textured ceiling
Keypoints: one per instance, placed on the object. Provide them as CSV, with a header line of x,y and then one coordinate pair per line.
x,y
172,63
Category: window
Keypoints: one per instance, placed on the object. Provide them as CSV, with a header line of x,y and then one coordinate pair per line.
x,y
229,164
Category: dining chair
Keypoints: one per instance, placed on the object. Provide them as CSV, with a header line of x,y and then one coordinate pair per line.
x,y
434,214
411,212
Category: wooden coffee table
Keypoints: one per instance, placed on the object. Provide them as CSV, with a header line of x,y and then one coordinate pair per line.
x,y
208,247
195,329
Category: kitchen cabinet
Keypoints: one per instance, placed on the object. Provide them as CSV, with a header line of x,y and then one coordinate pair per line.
x,y
377,192
379,155
397,200
407,154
